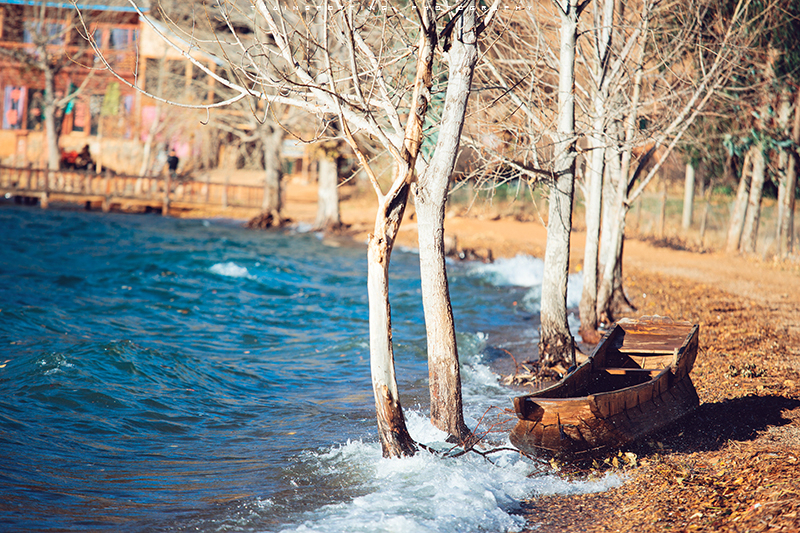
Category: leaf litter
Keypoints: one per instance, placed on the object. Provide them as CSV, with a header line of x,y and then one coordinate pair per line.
x,y
731,466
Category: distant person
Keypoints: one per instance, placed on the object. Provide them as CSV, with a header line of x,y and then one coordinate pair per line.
x,y
84,159
172,163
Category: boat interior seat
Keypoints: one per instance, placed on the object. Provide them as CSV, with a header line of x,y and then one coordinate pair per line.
x,y
624,371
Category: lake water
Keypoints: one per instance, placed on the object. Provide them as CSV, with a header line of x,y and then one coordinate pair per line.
x,y
188,375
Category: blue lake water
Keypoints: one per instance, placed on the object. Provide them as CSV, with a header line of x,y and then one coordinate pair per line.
x,y
187,375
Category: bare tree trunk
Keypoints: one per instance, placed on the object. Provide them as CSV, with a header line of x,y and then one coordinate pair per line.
x,y
431,193
328,194
555,340
784,108
751,221
394,436
704,223
594,181
611,240
662,210
272,203
739,209
688,196
786,220
610,177
51,133
610,290
151,132
588,303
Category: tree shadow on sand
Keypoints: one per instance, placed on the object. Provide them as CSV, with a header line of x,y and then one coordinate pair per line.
x,y
711,425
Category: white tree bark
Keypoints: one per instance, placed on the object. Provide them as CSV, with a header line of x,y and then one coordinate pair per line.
x,y
784,108
617,214
688,196
273,190
394,436
751,219
610,179
327,193
431,193
594,175
155,125
736,224
594,189
787,202
555,340
53,154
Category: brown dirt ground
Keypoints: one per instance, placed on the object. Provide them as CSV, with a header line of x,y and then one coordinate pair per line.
x,y
734,464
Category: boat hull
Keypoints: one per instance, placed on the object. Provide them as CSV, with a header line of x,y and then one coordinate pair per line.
x,y
600,407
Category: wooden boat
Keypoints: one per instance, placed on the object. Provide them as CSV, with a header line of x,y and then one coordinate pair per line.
x,y
635,382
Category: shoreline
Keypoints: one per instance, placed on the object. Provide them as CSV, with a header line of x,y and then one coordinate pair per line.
x,y
731,464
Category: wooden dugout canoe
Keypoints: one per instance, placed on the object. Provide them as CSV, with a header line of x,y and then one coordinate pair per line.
x,y
635,382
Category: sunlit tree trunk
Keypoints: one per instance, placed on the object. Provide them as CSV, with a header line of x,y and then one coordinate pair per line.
x,y
327,193
594,198
53,155
739,210
273,200
787,202
394,436
688,196
753,216
555,340
610,293
155,125
617,214
431,193
784,108
610,175
594,175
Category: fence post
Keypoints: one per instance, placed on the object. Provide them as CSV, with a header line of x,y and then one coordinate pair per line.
x,y
44,200
167,186
107,195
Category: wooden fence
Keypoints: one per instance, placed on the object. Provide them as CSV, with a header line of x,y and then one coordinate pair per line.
x,y
107,190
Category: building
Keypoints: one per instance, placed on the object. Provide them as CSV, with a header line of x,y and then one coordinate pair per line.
x,y
108,113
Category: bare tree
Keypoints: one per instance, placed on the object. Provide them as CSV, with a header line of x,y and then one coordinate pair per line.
x,y
601,77
376,91
555,340
688,196
736,224
544,120
714,58
461,45
789,183
52,49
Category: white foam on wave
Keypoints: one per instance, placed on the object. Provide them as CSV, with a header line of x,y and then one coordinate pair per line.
x,y
431,493
54,363
231,270
521,271
436,494
526,271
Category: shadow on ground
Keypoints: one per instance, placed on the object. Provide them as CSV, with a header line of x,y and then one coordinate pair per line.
x,y
714,424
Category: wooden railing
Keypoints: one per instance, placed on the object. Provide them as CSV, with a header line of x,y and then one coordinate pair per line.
x,y
108,189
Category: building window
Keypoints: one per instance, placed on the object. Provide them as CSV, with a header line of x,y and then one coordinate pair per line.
x,y
121,39
55,31
13,107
